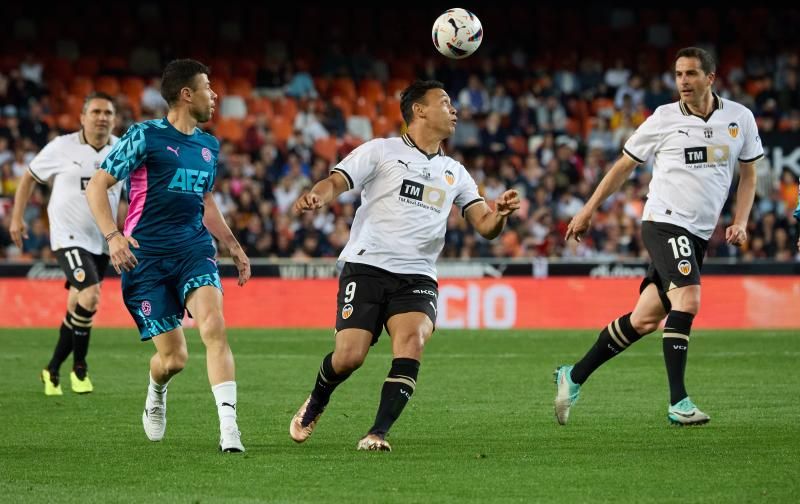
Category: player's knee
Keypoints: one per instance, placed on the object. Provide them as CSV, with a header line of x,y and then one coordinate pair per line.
x,y
348,360
89,297
645,325
212,325
412,340
176,361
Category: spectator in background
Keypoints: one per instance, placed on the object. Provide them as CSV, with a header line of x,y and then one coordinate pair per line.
x,y
474,96
153,104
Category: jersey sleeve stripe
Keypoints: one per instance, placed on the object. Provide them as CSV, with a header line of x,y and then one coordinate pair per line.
x,y
35,177
751,160
465,207
347,177
630,155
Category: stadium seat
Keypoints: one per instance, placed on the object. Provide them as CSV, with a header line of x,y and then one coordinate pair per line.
x,y
229,129
344,87
68,123
81,86
326,148
365,108
322,85
87,65
344,105
107,84
395,86
240,86
73,105
260,106
371,90
391,109
282,128
133,88
382,127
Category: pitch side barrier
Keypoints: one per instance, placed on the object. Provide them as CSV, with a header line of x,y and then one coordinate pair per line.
x,y
496,294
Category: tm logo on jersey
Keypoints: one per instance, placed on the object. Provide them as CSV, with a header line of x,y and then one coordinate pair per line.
x,y
421,195
707,157
187,180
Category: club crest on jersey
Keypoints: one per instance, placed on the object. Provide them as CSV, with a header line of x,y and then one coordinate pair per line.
x,y
449,177
146,308
347,310
79,275
733,130
685,267
206,155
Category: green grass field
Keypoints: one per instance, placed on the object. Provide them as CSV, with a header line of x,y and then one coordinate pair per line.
x,y
479,429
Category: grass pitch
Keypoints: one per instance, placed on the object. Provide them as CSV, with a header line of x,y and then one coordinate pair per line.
x,y
480,427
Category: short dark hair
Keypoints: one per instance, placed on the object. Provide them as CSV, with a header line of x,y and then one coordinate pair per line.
x,y
97,95
414,94
707,62
179,74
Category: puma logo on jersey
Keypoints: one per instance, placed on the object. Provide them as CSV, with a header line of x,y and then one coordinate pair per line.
x,y
174,150
685,132
404,164
188,181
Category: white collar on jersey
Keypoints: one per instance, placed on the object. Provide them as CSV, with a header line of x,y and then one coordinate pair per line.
x,y
411,143
717,106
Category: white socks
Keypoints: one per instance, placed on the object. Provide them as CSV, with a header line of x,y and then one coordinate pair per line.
x,y
225,397
156,394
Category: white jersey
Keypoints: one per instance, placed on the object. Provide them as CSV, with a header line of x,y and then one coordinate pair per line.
x,y
70,162
406,196
694,161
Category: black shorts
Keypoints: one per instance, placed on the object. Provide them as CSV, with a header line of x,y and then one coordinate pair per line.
x,y
369,296
82,268
676,256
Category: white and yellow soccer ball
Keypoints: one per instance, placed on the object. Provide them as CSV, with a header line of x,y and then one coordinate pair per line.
x,y
457,33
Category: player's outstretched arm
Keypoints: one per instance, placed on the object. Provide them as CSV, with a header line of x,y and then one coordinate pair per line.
x,y
215,223
18,229
736,233
489,223
322,193
610,184
118,245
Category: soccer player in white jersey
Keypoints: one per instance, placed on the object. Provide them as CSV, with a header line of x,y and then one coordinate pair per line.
x,y
408,186
69,161
696,143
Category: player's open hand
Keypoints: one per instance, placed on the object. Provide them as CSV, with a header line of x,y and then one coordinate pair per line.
x,y
736,235
119,247
18,231
308,201
242,263
507,203
579,225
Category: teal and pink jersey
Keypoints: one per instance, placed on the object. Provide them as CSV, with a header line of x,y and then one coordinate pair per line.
x,y
168,175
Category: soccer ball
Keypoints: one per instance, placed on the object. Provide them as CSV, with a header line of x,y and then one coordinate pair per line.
x,y
457,33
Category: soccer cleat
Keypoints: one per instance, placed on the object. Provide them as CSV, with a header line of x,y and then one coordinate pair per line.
x,y
52,387
686,413
154,420
230,440
79,386
374,442
567,393
304,422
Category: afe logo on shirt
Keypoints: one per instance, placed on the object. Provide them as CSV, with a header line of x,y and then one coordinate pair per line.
x,y
415,191
187,180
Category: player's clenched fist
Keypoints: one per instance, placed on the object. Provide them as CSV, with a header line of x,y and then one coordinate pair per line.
x,y
507,203
308,201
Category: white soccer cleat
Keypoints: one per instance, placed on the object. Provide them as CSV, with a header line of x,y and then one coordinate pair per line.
x,y
373,442
230,440
567,393
154,420
686,413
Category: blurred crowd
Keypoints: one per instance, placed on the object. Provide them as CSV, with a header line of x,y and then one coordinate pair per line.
x,y
548,123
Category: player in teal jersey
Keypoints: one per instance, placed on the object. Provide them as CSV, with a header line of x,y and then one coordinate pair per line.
x,y
166,254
